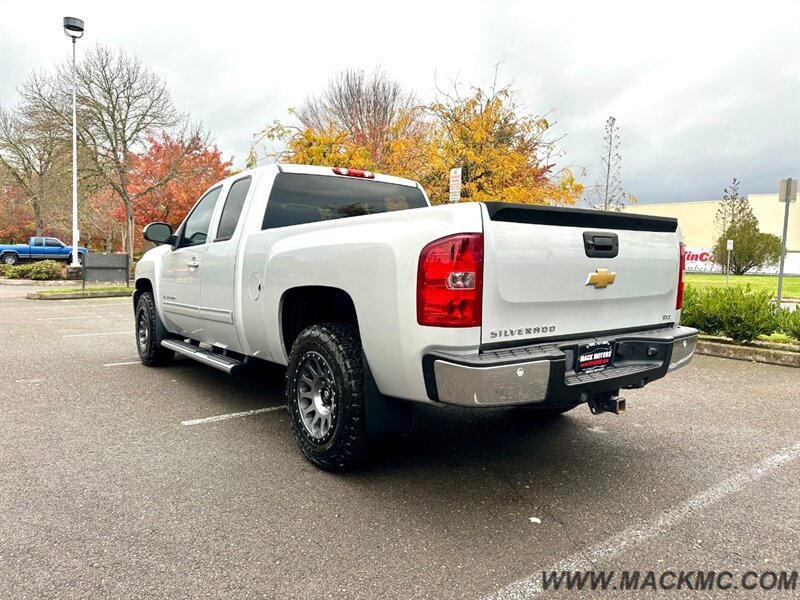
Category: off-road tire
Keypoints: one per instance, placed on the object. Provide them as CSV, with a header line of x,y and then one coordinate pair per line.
x,y
347,442
146,319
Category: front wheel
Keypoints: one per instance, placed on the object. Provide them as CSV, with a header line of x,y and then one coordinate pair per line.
x,y
80,259
325,396
150,332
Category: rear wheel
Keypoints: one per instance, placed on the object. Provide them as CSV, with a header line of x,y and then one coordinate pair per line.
x,y
10,259
150,332
325,396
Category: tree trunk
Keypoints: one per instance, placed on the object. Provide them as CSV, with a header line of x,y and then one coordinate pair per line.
x,y
37,218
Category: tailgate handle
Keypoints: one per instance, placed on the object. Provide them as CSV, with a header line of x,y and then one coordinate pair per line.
x,y
600,244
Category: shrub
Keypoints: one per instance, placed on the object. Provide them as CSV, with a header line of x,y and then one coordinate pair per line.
x,y
18,271
4,268
46,269
736,312
789,322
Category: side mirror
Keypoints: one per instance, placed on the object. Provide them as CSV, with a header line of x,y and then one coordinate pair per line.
x,y
158,233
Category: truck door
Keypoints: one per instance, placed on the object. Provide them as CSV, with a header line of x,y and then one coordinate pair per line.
x,y
219,270
182,270
53,248
37,247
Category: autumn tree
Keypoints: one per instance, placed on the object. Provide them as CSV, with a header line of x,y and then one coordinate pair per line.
x,y
359,120
504,152
34,157
373,110
608,193
120,103
16,217
197,165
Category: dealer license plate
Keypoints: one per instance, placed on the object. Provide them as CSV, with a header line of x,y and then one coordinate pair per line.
x,y
594,357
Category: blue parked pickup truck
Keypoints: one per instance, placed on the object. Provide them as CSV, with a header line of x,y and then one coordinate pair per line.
x,y
39,248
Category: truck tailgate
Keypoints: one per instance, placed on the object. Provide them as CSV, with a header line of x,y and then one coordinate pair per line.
x,y
543,277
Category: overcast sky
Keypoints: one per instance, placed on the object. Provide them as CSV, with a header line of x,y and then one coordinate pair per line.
x,y
702,91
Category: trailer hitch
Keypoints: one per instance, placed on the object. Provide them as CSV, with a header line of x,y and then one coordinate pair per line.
x,y
606,402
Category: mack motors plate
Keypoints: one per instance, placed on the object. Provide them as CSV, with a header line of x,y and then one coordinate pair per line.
x,y
594,357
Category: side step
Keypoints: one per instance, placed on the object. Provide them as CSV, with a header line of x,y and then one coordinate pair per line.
x,y
218,361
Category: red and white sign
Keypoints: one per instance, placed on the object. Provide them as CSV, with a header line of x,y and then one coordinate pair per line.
x,y
701,260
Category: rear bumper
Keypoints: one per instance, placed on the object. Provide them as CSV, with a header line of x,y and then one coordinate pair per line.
x,y
544,374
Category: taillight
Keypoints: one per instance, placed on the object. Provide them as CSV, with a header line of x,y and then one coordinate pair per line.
x,y
679,299
450,281
354,173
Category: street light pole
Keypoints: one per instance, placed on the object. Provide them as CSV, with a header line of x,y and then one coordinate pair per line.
x,y
74,28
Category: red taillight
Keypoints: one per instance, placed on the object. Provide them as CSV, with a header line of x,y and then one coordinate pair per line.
x,y
354,173
450,281
679,299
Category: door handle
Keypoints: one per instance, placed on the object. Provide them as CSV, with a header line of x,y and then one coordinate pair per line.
x,y
193,264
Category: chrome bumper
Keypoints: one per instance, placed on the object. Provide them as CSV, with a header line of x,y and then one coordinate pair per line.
x,y
544,374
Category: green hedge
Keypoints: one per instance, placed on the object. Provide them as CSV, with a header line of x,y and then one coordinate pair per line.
x,y
41,270
789,322
736,312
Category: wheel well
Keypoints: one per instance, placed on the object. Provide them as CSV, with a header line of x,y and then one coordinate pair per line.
x,y
142,285
309,305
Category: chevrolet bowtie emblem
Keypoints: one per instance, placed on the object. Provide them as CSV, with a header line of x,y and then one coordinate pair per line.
x,y
601,278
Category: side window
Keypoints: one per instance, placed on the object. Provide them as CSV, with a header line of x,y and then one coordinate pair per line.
x,y
38,242
195,229
52,243
232,209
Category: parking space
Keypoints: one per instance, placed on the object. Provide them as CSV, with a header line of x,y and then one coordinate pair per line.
x,y
118,481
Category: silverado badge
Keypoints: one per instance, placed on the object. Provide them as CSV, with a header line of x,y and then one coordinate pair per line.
x,y
601,278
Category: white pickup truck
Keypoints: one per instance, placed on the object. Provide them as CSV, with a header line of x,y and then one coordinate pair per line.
x,y
374,300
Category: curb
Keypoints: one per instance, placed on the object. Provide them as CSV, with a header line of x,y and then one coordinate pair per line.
x,y
785,358
41,282
77,295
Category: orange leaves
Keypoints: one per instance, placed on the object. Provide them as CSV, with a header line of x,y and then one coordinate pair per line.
x,y
504,153
168,179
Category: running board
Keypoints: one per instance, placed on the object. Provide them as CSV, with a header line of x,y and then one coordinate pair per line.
x,y
218,361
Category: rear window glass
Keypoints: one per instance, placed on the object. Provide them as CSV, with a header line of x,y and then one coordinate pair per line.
x,y
299,198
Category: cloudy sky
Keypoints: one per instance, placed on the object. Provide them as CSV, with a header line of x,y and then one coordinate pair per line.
x,y
702,91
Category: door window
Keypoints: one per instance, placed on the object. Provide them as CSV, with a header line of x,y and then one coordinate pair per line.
x,y
232,209
52,243
195,228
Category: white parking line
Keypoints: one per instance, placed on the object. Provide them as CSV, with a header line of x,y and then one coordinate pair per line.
x,y
66,318
81,317
120,364
531,587
62,304
246,413
71,335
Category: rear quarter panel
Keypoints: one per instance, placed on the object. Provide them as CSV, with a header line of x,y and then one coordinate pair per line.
x,y
374,259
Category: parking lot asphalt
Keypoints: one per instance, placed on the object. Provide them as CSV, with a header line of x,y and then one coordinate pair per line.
x,y
105,493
